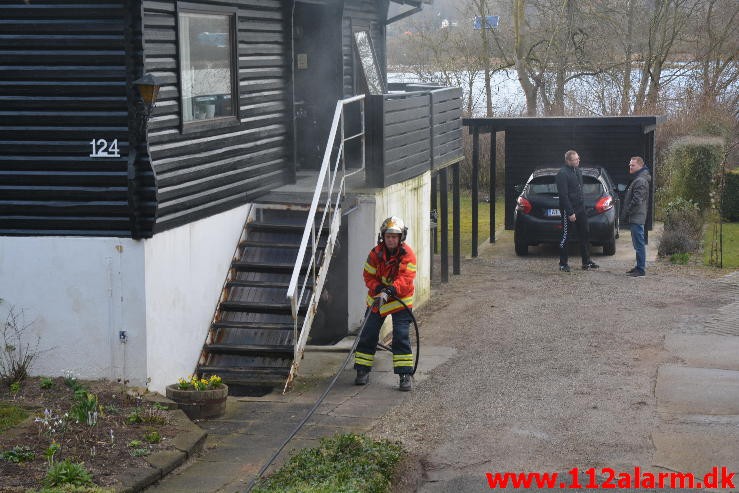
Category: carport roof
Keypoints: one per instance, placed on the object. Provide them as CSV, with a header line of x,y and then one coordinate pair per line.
x,y
648,123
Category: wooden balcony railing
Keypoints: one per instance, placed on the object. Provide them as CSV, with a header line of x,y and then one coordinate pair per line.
x,y
411,131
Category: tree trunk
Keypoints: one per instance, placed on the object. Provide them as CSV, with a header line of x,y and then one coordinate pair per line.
x,y
629,51
529,89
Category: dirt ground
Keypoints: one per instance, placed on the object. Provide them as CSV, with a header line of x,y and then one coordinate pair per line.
x,y
552,370
105,448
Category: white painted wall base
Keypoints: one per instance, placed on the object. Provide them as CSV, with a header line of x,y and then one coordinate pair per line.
x,y
185,271
79,294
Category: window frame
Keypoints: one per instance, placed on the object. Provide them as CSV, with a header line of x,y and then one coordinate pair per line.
x,y
359,65
187,127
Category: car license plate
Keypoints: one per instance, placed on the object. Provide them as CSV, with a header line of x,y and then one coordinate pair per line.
x,y
553,213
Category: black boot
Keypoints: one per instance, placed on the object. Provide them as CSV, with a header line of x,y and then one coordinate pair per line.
x,y
405,382
362,377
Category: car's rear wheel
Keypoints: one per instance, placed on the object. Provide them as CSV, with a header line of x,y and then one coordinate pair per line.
x,y
522,248
609,248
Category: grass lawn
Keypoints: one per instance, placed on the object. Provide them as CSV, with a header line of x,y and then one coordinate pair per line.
x,y
730,245
10,416
465,221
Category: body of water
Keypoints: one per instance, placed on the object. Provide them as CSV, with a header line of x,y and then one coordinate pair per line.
x,y
590,95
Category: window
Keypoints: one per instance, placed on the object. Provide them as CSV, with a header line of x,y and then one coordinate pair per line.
x,y
368,62
206,65
544,185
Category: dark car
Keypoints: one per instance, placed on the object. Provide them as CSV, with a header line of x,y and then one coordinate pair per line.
x,y
537,218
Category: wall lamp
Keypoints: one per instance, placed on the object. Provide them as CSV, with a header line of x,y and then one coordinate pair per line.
x,y
148,89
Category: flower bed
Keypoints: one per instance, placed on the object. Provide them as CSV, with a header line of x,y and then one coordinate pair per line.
x,y
94,423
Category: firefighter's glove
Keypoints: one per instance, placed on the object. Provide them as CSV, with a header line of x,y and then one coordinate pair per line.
x,y
390,290
381,298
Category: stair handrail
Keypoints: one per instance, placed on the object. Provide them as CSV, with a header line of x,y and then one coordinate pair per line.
x,y
332,205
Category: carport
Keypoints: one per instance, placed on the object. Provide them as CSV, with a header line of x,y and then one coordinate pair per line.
x,y
535,142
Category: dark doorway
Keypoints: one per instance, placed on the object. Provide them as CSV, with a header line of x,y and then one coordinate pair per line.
x,y
317,59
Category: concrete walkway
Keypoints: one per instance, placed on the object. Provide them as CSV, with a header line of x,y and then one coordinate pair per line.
x,y
698,397
240,443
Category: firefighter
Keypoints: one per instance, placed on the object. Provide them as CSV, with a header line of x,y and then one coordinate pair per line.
x,y
388,273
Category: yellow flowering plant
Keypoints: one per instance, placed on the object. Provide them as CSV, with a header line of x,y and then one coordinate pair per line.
x,y
195,383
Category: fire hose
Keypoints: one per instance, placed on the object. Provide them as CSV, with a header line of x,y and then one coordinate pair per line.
x,y
377,302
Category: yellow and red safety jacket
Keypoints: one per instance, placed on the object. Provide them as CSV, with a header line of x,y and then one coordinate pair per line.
x,y
397,270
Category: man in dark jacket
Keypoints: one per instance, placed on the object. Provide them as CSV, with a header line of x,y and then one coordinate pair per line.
x,y
634,211
572,210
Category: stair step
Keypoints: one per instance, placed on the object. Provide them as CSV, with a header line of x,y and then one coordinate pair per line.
x,y
226,324
265,267
268,244
241,283
279,244
248,376
274,226
249,348
260,307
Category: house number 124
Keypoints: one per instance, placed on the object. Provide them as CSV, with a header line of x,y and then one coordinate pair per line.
x,y
101,148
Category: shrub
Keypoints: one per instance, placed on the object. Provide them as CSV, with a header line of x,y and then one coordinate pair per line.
x,y
730,202
693,164
683,228
684,214
67,472
346,462
680,258
16,354
18,454
676,241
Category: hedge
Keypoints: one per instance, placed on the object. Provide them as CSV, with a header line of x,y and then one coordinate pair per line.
x,y
693,163
730,202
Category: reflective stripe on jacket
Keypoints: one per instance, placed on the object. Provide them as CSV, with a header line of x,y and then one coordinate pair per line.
x,y
399,270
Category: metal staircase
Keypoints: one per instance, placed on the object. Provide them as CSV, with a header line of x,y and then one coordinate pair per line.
x,y
251,341
271,294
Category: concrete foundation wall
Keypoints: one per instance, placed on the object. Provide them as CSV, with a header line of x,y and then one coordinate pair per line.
x,y
77,295
185,271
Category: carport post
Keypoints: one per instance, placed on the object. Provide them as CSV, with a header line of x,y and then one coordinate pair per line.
x,y
493,164
444,222
475,173
455,219
434,194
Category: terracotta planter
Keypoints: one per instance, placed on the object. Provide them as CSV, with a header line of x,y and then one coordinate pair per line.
x,y
199,404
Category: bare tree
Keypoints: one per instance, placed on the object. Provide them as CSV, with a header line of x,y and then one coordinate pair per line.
x,y
666,20
715,49
521,54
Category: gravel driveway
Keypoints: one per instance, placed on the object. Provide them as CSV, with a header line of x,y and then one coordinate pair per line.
x,y
552,370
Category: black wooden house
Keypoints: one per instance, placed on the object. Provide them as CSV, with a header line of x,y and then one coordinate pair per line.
x,y
246,94
238,123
